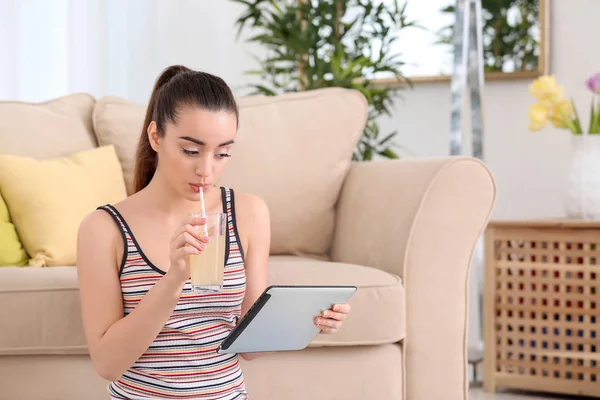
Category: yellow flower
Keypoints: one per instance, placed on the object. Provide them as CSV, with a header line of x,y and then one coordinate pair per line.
x,y
562,112
546,91
538,116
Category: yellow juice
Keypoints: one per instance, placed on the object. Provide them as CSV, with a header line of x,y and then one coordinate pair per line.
x,y
207,269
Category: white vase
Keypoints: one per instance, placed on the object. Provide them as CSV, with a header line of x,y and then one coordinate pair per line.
x,y
582,197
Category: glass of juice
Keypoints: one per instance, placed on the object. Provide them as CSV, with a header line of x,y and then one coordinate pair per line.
x,y
207,268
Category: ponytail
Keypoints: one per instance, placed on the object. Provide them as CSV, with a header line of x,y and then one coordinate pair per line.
x,y
146,157
176,86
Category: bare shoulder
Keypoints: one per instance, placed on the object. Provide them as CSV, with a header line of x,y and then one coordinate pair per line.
x,y
252,219
98,223
98,235
99,228
250,207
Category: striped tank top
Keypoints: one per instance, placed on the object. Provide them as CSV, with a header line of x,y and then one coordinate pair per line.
x,y
182,362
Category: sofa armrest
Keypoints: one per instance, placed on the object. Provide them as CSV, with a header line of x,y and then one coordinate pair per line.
x,y
421,219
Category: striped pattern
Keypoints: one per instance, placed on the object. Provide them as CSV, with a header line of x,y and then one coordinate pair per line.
x,y
182,362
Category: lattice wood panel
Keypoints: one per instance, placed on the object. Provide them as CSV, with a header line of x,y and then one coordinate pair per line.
x,y
542,307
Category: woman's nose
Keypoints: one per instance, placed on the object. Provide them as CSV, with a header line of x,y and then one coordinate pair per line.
x,y
204,165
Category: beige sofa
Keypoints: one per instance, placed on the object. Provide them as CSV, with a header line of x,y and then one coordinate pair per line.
x,y
402,231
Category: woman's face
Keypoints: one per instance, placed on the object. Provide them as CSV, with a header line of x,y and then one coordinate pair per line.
x,y
193,151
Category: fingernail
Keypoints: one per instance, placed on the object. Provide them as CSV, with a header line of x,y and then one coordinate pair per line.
x,y
325,314
206,239
336,308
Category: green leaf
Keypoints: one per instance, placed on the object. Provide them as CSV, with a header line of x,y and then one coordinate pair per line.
x,y
389,153
260,89
254,72
576,120
596,126
592,119
367,154
388,138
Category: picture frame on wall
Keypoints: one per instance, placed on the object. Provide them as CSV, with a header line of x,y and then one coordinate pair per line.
x,y
516,40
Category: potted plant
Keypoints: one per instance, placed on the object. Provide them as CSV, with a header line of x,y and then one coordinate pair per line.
x,y
330,43
582,196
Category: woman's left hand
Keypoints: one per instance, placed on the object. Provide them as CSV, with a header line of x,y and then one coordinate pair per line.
x,y
331,320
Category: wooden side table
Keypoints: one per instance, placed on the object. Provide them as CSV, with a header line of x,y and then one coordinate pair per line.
x,y
542,306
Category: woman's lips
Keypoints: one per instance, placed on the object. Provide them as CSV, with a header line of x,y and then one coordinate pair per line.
x,y
196,188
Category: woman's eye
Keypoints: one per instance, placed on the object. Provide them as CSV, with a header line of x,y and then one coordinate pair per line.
x,y
190,152
223,155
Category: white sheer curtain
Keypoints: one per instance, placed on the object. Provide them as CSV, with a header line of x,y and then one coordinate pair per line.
x,y
50,48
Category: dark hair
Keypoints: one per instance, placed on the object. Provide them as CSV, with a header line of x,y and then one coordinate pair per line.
x,y
175,87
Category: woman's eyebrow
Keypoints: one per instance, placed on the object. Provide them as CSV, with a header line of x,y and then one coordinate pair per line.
x,y
201,143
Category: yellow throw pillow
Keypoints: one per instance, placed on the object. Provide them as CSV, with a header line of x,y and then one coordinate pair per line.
x,y
48,199
11,250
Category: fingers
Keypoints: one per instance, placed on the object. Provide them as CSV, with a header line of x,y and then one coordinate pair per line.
x,y
331,320
191,239
342,308
322,323
334,315
190,222
186,250
328,330
188,234
195,219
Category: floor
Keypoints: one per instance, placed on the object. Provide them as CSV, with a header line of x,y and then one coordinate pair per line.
x,y
479,394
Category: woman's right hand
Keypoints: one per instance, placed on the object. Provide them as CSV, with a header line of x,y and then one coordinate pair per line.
x,y
188,239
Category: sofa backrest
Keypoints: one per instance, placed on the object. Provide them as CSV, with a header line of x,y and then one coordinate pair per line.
x,y
55,128
292,150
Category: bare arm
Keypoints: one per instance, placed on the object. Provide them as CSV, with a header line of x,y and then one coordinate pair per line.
x,y
115,342
254,216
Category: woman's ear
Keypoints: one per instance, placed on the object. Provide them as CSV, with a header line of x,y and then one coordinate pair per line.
x,y
153,137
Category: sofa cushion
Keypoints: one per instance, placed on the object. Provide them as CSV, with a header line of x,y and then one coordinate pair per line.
x,y
292,150
11,249
56,196
55,128
118,122
40,309
360,372
378,305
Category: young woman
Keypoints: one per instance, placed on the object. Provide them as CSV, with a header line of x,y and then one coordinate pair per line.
x,y
147,332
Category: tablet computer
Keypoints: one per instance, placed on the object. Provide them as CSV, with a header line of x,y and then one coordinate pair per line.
x,y
282,319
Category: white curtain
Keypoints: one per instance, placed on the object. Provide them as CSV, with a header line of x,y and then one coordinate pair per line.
x,y
51,48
